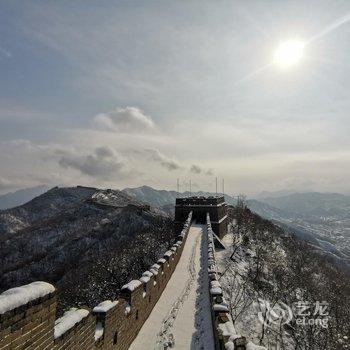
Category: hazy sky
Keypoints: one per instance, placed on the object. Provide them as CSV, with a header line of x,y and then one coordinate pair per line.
x,y
126,93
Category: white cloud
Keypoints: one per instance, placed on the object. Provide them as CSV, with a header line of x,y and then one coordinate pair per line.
x,y
103,163
126,120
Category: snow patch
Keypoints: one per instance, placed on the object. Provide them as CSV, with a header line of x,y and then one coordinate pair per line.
x,y
251,346
98,331
216,291
220,308
105,306
105,221
132,285
154,272
15,297
144,279
147,274
68,320
227,329
168,253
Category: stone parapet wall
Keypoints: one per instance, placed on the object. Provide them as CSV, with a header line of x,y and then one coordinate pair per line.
x,y
212,200
225,335
28,313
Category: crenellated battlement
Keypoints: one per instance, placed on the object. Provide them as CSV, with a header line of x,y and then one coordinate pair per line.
x,y
27,316
223,329
28,313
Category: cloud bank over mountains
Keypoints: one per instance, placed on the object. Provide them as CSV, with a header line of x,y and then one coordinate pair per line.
x,y
125,154
163,88
135,150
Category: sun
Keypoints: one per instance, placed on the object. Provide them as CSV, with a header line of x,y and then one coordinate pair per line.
x,y
288,53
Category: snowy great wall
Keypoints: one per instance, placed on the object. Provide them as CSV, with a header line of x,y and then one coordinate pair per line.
x,y
178,303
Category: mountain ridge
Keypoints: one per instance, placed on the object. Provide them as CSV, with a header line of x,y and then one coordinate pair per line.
x,y
85,240
308,227
22,196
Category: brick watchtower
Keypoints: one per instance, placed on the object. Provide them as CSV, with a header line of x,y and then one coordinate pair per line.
x,y
200,206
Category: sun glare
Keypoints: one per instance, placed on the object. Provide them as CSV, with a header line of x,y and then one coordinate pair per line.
x,y
289,53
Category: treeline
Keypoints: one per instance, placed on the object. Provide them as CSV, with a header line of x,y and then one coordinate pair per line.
x,y
117,260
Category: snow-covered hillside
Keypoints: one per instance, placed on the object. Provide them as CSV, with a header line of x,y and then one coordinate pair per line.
x,y
268,277
55,200
85,240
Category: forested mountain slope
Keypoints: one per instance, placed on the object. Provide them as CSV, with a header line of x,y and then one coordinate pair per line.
x,y
86,241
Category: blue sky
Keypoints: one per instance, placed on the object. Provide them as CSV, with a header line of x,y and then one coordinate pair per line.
x,y
125,93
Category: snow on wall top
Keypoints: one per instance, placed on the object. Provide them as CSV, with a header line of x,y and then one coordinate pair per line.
x,y
216,291
68,320
220,308
147,273
251,346
144,279
154,271
15,297
105,306
155,266
227,329
132,285
168,253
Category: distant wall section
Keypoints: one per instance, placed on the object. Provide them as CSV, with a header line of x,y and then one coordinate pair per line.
x,y
216,207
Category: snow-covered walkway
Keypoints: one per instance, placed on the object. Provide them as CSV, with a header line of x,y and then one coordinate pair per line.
x,y
181,318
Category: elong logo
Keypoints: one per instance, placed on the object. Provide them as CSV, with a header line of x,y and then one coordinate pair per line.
x,y
304,313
